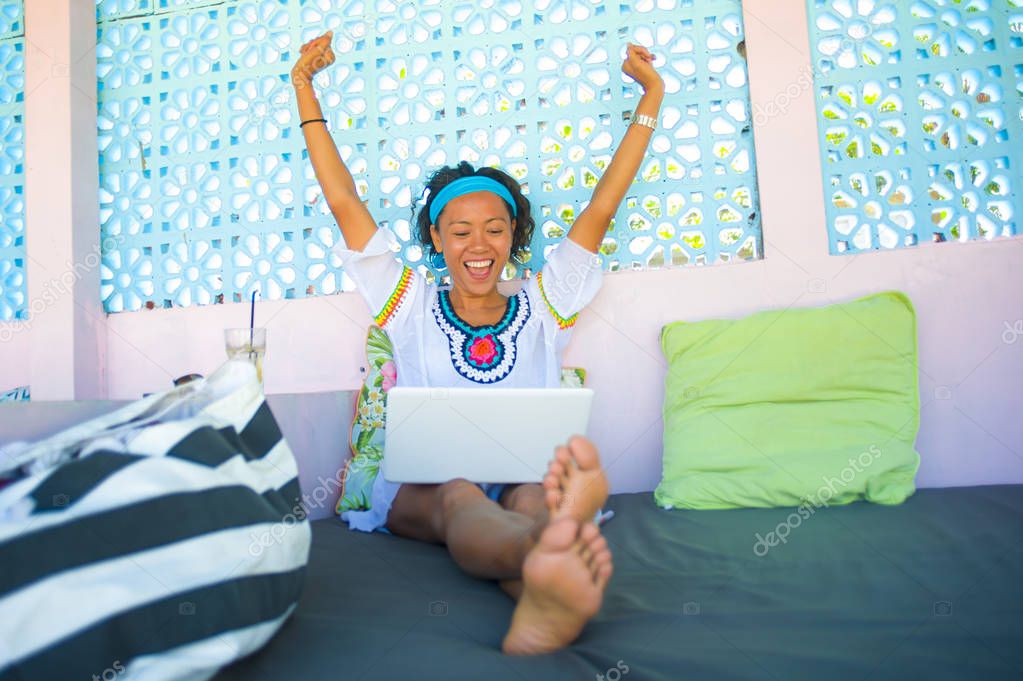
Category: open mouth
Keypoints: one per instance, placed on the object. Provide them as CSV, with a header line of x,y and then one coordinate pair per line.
x,y
479,270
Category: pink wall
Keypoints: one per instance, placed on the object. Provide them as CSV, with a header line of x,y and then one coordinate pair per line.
x,y
964,294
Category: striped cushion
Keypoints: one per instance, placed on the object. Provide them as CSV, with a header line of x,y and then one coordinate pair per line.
x,y
165,539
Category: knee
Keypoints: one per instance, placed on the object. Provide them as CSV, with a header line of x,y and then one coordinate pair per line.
x,y
455,493
528,500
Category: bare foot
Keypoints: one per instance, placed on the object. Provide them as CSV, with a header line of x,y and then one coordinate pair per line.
x,y
564,578
575,483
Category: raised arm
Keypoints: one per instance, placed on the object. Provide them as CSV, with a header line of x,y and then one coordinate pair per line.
x,y
355,221
590,227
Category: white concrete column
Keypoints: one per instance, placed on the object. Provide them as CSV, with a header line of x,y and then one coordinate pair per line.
x,y
66,325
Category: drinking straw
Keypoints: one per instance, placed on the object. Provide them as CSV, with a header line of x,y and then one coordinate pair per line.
x,y
252,325
252,320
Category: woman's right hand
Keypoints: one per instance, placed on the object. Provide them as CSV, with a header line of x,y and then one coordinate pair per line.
x,y
314,56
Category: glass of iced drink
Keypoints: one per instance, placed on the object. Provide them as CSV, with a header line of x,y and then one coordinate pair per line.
x,y
247,344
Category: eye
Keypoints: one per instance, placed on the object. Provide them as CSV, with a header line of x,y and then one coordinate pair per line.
x,y
460,233
498,230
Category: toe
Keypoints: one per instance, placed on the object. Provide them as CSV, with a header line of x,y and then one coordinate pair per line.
x,y
584,453
589,532
563,456
559,535
551,499
592,544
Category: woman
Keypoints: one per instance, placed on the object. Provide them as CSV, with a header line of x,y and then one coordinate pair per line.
x,y
538,541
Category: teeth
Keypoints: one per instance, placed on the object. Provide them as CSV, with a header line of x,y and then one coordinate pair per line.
x,y
479,264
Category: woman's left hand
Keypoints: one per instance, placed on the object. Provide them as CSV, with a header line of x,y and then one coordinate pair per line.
x,y
639,65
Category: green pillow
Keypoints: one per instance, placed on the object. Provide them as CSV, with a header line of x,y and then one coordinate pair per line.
x,y
796,407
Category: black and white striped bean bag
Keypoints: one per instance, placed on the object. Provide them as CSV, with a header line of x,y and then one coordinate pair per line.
x,y
162,541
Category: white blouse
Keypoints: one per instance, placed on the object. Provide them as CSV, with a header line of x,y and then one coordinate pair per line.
x,y
434,347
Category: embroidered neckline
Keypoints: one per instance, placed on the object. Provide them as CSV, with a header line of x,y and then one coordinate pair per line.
x,y
482,354
510,303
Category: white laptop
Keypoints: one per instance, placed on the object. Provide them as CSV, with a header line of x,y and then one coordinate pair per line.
x,y
481,434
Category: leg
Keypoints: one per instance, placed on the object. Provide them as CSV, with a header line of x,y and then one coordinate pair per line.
x,y
530,500
564,577
484,539
558,576
412,513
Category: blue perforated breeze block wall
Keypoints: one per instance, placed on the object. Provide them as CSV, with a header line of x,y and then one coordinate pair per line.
x,y
13,302
920,109
205,182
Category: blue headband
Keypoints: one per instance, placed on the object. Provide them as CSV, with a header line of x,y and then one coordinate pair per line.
x,y
468,185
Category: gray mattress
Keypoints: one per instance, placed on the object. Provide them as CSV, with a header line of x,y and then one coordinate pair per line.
x,y
929,589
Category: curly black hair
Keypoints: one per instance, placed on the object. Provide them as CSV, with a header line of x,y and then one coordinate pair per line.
x,y
524,223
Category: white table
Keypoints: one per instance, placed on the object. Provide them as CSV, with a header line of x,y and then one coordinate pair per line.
x,y
316,426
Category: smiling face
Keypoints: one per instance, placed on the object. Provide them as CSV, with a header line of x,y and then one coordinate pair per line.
x,y
474,232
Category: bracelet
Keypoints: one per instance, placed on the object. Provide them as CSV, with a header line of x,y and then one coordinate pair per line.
x,y
312,120
643,119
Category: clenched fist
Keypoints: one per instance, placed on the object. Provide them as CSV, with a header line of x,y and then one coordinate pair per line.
x,y
639,65
315,56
